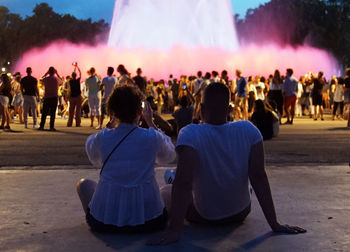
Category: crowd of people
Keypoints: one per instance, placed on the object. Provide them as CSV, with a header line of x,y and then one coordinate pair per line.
x,y
264,101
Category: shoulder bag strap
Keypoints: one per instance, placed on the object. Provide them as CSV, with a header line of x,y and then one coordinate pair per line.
x,y
120,142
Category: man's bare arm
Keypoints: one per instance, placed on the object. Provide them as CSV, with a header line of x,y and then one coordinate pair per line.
x,y
181,196
260,183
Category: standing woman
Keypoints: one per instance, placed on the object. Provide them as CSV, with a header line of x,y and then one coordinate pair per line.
x,y
127,197
94,96
5,94
251,95
275,93
18,100
347,94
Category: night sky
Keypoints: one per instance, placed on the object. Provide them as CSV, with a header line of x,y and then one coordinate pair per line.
x,y
97,9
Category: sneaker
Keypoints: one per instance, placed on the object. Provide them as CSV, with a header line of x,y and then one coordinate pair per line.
x,y
35,126
169,176
25,126
52,129
41,129
99,127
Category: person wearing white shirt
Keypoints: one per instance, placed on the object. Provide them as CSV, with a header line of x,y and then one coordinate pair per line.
x,y
216,161
127,196
108,83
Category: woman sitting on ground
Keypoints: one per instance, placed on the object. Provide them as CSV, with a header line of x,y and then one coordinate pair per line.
x,y
127,197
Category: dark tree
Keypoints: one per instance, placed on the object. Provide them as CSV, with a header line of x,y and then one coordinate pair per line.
x,y
18,35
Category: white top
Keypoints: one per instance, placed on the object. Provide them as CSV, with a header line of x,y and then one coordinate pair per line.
x,y
127,193
259,95
300,90
109,82
220,182
339,93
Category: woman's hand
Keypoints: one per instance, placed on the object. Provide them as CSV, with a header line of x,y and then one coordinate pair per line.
x,y
164,238
147,114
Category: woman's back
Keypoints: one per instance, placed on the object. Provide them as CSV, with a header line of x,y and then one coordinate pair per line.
x,y
127,193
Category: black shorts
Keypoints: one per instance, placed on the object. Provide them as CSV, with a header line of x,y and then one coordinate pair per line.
x,y
317,100
150,226
195,217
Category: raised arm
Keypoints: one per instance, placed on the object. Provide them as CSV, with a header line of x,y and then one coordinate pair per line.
x,y
260,183
181,196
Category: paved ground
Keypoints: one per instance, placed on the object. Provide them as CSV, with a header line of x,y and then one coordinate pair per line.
x,y
40,211
308,166
306,142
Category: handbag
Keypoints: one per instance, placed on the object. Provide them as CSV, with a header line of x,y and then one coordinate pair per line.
x,y
116,147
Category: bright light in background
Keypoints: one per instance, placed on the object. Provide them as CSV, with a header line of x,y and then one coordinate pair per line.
x,y
163,46
3,69
162,24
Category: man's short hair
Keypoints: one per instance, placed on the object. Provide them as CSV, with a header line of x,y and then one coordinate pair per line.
x,y
290,71
29,70
110,70
199,74
51,70
217,95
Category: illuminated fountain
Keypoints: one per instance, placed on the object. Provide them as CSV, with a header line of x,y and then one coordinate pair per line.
x,y
176,37
163,24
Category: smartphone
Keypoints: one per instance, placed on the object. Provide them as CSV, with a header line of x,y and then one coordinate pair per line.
x,y
74,63
143,104
184,86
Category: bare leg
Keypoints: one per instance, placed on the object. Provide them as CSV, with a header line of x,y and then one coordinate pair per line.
x,y
92,121
165,192
86,189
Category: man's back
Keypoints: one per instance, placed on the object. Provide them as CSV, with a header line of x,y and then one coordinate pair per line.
x,y
140,82
51,84
220,182
109,83
29,85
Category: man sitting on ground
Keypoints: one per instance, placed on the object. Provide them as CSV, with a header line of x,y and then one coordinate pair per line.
x,y
215,162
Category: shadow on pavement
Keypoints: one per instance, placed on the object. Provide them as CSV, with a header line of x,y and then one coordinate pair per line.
x,y
339,128
194,239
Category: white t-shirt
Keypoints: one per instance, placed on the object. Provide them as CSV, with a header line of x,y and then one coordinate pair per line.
x,y
220,183
259,87
109,82
339,93
127,193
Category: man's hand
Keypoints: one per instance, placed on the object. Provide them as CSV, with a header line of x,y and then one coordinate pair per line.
x,y
284,228
164,238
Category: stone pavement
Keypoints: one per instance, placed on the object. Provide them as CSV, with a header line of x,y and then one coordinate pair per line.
x,y
40,211
308,167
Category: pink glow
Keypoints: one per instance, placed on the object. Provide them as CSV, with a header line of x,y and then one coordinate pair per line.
x,y
252,60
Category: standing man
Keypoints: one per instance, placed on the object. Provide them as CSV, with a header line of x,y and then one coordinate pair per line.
x,y
290,91
140,81
108,84
196,91
241,102
75,98
317,98
30,91
51,84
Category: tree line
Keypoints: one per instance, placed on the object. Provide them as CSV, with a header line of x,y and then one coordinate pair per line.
x,y
323,24
17,34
